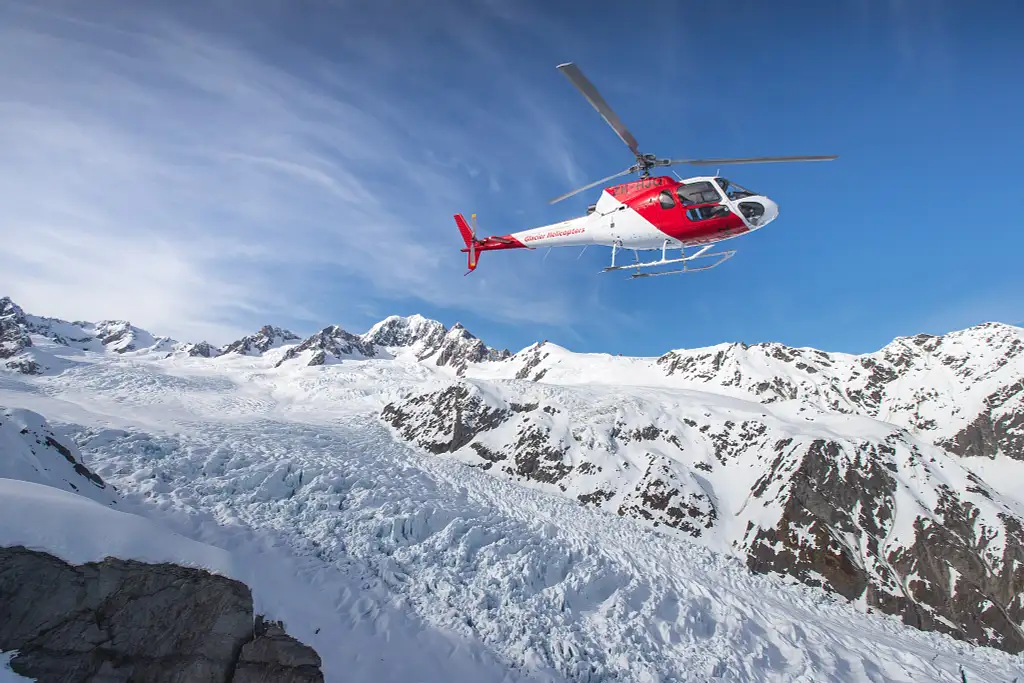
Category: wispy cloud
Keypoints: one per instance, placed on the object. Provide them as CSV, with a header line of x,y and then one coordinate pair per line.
x,y
199,180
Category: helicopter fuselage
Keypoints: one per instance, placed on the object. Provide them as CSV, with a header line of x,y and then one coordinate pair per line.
x,y
653,213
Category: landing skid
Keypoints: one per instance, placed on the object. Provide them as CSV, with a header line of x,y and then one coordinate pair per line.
x,y
721,257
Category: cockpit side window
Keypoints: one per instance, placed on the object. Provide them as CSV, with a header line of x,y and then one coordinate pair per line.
x,y
666,199
701,192
732,190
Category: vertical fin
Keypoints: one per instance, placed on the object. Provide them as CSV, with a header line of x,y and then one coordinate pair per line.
x,y
469,237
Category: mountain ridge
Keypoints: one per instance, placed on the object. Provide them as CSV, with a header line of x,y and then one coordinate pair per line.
x,y
888,478
453,347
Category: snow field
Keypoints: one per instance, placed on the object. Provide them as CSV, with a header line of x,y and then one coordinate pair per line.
x,y
417,568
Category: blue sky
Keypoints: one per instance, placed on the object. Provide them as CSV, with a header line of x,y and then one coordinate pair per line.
x,y
205,167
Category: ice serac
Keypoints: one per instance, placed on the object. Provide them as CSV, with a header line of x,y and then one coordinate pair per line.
x,y
330,345
268,337
836,500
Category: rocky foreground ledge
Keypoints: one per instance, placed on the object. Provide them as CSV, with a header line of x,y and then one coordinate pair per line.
x,y
123,620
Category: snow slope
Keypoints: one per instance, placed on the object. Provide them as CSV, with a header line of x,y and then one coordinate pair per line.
x,y
963,391
34,453
418,568
359,633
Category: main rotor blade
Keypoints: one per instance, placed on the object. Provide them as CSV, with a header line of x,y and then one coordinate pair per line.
x,y
587,187
572,72
748,160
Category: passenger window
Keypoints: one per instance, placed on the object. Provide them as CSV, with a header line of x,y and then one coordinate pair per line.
x,y
705,212
667,200
698,193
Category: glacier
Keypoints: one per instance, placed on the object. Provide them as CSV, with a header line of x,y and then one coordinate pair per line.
x,y
399,563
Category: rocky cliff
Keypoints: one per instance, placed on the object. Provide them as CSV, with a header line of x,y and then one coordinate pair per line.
x,y
119,620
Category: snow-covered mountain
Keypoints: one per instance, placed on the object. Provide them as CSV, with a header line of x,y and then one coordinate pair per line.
x,y
201,349
266,338
961,391
329,345
843,501
410,338
117,336
890,479
843,471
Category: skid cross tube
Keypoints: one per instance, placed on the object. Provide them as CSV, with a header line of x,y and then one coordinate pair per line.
x,y
701,253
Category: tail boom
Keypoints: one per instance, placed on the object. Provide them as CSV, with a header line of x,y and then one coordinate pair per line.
x,y
474,246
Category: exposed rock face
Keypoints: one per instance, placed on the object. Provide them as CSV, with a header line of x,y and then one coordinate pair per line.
x,y
533,357
458,348
275,657
877,516
998,427
120,620
202,350
268,337
14,339
330,345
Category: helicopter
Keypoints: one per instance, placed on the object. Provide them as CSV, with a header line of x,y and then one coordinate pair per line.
x,y
648,213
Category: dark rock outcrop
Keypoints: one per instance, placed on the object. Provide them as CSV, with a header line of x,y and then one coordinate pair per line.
x,y
458,348
202,350
273,656
958,576
122,620
999,428
14,339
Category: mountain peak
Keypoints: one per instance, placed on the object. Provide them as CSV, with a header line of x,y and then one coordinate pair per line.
x,y
9,308
266,338
330,345
398,331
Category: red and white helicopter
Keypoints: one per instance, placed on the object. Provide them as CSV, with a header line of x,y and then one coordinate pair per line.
x,y
649,213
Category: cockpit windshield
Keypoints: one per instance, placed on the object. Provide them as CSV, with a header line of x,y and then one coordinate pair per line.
x,y
732,190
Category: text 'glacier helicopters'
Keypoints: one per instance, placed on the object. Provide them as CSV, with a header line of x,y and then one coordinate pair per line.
x,y
651,213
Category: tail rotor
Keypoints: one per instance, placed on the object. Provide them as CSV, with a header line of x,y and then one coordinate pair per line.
x,y
469,237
